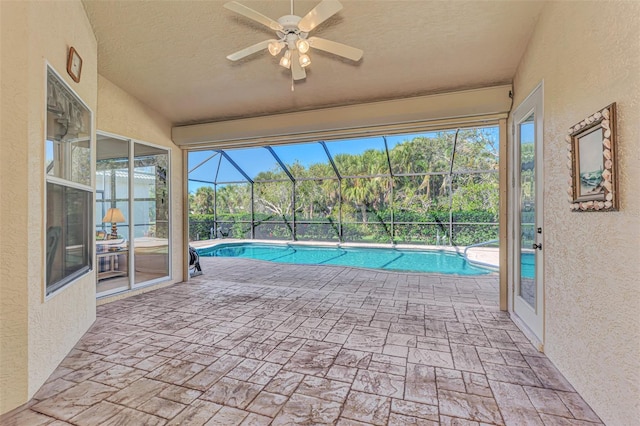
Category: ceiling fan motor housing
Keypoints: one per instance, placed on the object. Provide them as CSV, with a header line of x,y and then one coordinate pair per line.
x,y
290,26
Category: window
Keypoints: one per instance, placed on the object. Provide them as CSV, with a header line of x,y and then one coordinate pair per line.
x,y
68,186
68,248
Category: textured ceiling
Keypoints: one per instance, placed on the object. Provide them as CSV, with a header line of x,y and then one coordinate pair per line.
x,y
171,55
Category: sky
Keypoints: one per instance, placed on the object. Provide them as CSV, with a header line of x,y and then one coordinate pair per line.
x,y
256,160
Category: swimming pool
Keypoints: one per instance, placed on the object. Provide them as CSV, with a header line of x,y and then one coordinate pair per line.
x,y
376,258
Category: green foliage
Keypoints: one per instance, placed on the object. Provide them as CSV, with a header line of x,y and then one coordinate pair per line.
x,y
199,226
469,227
203,200
419,204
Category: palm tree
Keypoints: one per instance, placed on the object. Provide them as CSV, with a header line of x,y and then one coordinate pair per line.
x,y
203,200
233,199
365,193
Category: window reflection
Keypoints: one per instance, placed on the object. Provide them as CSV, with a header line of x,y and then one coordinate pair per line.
x,y
67,148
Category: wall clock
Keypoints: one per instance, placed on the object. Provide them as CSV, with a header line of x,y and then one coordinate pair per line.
x,y
74,65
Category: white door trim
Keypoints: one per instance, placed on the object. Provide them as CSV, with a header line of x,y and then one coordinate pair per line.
x,y
529,319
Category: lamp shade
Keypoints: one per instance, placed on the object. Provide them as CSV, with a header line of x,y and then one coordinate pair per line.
x,y
304,60
114,215
275,47
302,45
285,61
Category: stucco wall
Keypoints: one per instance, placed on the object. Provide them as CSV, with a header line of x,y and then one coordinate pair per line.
x,y
589,56
13,223
124,115
35,334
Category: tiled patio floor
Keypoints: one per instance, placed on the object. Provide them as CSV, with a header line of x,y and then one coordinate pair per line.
x,y
256,343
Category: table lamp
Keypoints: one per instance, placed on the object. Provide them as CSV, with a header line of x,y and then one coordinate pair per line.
x,y
114,215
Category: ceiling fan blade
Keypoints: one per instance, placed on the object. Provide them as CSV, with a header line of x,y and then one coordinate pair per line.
x,y
252,14
323,11
336,48
249,50
297,72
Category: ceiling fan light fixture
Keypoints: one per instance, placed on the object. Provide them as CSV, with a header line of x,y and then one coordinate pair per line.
x,y
275,47
305,61
302,45
285,61
292,37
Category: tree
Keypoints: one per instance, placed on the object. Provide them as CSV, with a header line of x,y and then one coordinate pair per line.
x,y
204,200
233,199
371,191
424,181
272,193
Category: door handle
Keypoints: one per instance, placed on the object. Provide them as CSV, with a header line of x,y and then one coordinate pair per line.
x,y
537,246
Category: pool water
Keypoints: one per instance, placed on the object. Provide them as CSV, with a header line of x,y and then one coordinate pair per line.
x,y
528,265
376,258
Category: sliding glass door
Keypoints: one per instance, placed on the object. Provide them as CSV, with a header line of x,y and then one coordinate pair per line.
x,y
132,214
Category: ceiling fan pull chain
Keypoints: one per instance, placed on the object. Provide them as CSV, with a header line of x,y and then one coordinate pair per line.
x,y
292,7
292,86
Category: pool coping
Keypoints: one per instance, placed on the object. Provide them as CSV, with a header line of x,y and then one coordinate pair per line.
x,y
218,241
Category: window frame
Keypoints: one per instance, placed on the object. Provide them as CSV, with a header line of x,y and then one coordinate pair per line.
x,y
87,268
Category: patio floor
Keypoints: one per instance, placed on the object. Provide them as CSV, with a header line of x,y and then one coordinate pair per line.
x,y
257,343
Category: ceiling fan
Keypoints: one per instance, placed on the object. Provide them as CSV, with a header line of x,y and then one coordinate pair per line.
x,y
292,32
